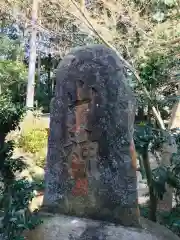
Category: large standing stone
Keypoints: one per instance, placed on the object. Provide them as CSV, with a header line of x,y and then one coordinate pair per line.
x,y
90,170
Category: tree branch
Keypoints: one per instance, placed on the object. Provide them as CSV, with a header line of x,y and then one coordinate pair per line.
x,y
174,41
90,25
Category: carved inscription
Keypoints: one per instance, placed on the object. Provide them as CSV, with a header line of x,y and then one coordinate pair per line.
x,y
83,156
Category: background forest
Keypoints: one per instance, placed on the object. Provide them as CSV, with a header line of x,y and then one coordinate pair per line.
x,y
146,36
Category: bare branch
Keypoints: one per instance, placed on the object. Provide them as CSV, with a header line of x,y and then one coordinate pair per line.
x,y
174,41
88,22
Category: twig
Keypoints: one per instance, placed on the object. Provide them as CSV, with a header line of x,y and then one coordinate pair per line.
x,y
174,41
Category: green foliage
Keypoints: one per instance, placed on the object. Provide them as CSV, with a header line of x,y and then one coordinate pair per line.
x,y
154,71
40,156
45,84
10,49
33,139
157,10
10,71
9,165
17,217
10,114
147,135
171,219
13,75
11,106
144,211
15,197
160,178
15,194
169,174
42,96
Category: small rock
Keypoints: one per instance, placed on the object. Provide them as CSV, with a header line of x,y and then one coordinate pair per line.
x,y
37,172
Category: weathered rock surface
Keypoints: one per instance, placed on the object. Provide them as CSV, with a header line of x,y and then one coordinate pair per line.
x,y
59,227
91,168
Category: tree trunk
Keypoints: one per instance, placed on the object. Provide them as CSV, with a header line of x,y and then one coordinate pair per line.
x,y
175,119
32,58
153,199
49,77
39,67
168,149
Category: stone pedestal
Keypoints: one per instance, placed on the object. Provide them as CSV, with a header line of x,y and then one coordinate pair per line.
x,y
59,227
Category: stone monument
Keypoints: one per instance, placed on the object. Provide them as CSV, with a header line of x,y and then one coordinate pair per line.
x,y
89,170
91,163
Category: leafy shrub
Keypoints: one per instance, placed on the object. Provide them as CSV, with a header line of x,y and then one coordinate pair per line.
x,y
33,139
40,157
17,217
14,194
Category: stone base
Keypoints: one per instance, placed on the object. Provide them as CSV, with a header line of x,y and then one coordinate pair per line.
x,y
59,227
